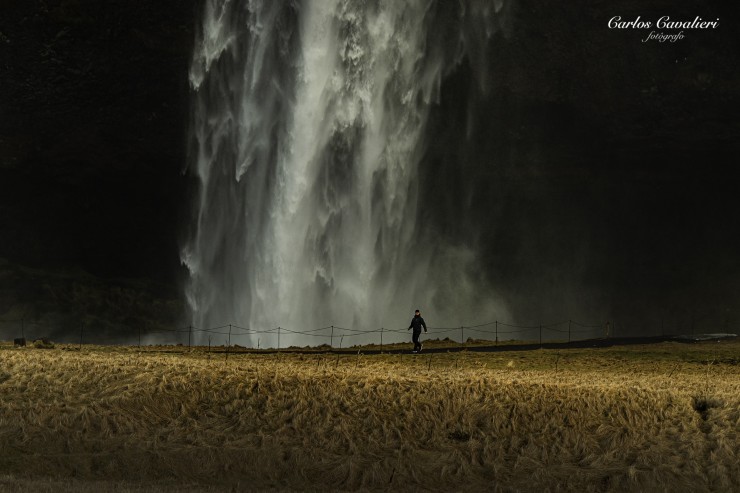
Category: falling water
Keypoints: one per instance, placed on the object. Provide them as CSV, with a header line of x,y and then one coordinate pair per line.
x,y
308,130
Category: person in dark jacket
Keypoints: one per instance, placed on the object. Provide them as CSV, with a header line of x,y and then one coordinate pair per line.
x,y
417,323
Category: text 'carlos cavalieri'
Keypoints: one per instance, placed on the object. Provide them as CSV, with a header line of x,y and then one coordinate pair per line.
x,y
664,22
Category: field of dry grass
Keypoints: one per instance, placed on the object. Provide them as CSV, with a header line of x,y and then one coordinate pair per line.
x,y
663,417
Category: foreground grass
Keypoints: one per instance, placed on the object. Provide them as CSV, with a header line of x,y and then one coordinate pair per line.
x,y
662,417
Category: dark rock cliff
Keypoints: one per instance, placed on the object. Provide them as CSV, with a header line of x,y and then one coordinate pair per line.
x,y
94,102
603,167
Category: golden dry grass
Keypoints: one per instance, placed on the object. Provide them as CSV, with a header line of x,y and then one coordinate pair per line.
x,y
643,418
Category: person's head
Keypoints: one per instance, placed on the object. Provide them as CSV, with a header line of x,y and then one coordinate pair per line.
x,y
417,312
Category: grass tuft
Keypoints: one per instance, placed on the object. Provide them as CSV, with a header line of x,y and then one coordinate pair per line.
x,y
43,343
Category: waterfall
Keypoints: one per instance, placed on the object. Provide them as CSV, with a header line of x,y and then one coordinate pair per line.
x,y
309,125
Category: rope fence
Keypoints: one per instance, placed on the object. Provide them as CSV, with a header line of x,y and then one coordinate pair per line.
x,y
330,335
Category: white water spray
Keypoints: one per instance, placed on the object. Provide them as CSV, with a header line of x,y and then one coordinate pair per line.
x,y
308,130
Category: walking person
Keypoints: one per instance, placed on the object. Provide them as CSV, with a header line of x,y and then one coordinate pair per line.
x,y
417,323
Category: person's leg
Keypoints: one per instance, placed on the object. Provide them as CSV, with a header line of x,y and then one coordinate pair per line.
x,y
417,344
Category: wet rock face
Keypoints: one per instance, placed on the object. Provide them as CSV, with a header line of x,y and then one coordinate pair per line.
x,y
595,159
94,101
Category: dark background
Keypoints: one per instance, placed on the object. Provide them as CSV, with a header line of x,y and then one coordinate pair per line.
x,y
596,173
94,118
604,167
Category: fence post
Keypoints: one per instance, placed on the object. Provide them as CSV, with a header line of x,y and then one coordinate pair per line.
x,y
331,338
540,336
462,336
278,339
381,339
496,332
228,345
569,322
190,332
